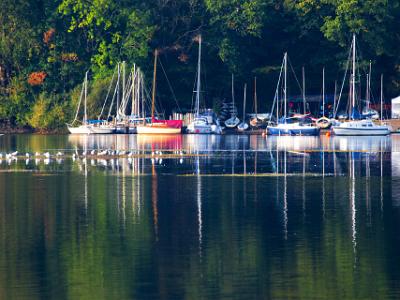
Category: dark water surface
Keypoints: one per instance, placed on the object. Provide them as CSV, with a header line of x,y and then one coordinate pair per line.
x,y
233,217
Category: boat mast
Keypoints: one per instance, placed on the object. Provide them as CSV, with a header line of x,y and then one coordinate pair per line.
x,y
304,89
353,92
117,87
197,112
134,100
284,88
369,86
381,97
142,96
244,101
255,95
334,99
153,97
85,109
233,97
123,83
323,92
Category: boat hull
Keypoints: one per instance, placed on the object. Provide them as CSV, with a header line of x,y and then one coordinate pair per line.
x,y
243,126
80,129
102,130
298,130
340,131
149,129
199,129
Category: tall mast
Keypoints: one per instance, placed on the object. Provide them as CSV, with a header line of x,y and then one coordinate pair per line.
x,y
334,99
353,87
255,95
142,96
123,82
117,87
323,91
285,87
369,85
244,101
233,95
134,100
153,97
198,79
304,89
85,113
381,97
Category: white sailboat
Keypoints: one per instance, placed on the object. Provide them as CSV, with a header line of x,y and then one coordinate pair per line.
x,y
288,125
243,125
355,126
201,124
85,127
233,121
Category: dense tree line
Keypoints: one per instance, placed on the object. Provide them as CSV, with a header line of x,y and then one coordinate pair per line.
x,y
46,46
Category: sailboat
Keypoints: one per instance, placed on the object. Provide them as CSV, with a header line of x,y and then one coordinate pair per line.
x,y
85,127
243,125
257,119
201,123
323,122
355,126
158,126
289,125
233,121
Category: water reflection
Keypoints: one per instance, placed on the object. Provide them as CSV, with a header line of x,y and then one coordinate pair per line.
x,y
316,218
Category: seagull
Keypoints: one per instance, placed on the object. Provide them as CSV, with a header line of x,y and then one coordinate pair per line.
x,y
27,155
84,153
93,152
59,153
15,153
47,155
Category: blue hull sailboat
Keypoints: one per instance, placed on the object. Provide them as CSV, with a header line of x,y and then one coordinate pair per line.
x,y
289,125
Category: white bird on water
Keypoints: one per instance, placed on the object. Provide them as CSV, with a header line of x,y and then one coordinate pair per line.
x,y
59,153
93,152
27,155
47,155
15,153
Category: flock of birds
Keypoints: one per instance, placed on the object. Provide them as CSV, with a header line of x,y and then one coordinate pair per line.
x,y
107,153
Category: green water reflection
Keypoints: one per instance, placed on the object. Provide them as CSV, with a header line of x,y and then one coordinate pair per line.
x,y
149,231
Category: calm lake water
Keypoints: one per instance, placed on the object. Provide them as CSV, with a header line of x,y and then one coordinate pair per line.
x,y
233,217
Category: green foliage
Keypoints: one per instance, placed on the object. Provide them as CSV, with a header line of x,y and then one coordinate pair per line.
x,y
47,113
64,38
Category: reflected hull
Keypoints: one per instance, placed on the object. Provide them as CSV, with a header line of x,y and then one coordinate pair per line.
x,y
157,129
